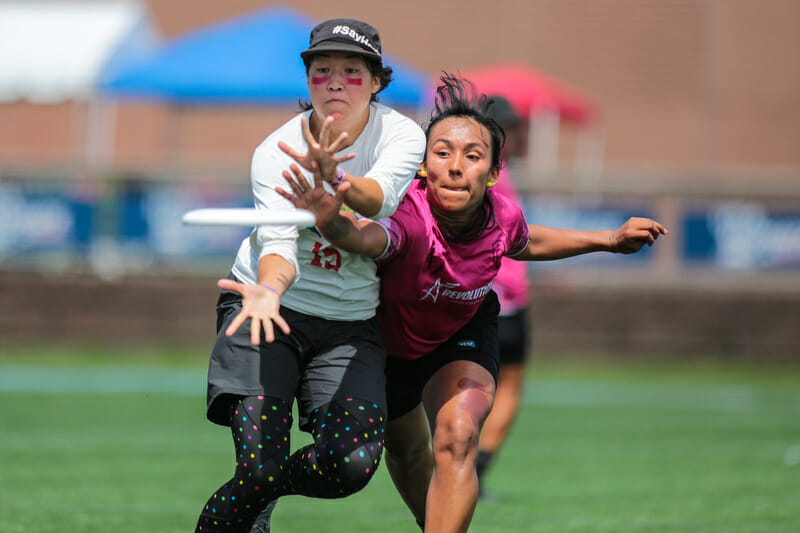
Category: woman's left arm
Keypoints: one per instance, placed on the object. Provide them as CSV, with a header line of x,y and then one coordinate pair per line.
x,y
549,244
378,193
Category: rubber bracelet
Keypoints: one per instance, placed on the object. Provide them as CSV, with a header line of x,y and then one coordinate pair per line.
x,y
273,289
340,174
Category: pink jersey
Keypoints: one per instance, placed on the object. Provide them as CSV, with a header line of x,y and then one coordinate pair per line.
x,y
511,285
431,287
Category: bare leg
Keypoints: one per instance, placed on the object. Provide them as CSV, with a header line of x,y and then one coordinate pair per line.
x,y
409,458
457,399
504,410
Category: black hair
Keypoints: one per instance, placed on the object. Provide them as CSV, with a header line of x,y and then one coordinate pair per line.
x,y
456,97
376,69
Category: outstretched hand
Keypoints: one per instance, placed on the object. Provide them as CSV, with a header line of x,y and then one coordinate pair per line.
x,y
321,151
316,199
261,305
634,234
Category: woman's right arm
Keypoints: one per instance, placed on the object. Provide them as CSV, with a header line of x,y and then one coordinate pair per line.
x,y
356,236
362,237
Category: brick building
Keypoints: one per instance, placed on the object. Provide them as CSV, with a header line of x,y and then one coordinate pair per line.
x,y
684,87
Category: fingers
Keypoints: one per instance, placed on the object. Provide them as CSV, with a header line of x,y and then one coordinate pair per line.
x,y
288,150
235,324
334,147
301,179
292,198
309,138
255,332
229,284
341,190
317,174
278,319
325,134
343,158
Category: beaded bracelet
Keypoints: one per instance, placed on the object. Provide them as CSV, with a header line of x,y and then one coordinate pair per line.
x,y
340,174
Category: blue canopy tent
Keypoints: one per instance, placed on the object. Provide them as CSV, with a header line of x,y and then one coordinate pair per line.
x,y
252,59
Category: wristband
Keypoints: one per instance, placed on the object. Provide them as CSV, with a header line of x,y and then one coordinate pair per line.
x,y
340,174
273,289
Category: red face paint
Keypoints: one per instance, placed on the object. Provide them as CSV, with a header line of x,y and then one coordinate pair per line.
x,y
319,80
353,81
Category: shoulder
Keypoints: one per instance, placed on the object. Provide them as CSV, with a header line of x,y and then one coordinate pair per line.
x,y
412,213
510,220
415,200
504,208
394,122
290,132
267,154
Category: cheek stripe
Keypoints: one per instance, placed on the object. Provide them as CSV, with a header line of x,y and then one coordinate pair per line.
x,y
318,80
353,81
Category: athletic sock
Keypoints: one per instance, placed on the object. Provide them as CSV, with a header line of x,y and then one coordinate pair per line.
x,y
482,463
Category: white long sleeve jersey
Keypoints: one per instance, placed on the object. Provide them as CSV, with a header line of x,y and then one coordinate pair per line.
x,y
330,283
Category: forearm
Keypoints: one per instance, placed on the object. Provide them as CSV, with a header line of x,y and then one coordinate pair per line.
x,y
276,272
364,238
365,195
549,244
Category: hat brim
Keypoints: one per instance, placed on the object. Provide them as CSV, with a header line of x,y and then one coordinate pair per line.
x,y
334,46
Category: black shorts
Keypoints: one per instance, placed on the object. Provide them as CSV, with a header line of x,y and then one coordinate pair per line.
x,y
319,361
477,342
514,332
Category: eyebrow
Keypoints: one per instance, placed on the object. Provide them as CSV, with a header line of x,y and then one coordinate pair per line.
x,y
468,146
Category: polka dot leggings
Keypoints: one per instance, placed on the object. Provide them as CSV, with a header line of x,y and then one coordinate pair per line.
x,y
348,441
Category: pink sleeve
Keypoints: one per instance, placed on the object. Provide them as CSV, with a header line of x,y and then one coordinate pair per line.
x,y
518,235
395,236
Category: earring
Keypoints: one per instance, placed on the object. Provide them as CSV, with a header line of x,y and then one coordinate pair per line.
x,y
423,173
490,184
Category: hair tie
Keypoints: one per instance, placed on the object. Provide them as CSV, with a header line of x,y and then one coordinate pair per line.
x,y
271,288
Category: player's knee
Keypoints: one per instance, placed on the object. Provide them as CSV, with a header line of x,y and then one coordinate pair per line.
x,y
455,438
352,471
260,479
350,443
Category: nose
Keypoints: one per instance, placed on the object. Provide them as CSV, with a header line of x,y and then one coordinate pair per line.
x,y
336,81
455,165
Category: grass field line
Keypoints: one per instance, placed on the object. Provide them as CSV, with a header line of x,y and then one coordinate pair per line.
x,y
538,392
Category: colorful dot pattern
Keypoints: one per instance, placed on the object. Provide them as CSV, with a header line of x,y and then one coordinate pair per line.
x,y
348,441
261,431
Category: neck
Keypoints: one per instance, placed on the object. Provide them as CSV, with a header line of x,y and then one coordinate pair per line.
x,y
455,225
353,127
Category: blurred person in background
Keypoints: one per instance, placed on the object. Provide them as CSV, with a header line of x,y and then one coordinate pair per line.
x,y
326,351
513,291
438,256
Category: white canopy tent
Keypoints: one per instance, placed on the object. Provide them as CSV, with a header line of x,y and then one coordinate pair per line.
x,y
55,51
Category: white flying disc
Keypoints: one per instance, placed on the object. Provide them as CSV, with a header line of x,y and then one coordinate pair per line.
x,y
248,217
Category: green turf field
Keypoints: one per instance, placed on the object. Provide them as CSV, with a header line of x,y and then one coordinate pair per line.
x,y
91,441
